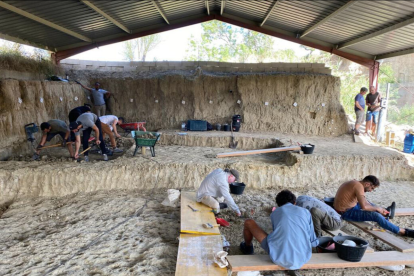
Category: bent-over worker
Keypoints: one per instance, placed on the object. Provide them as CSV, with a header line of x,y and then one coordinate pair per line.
x,y
86,123
108,123
215,186
77,111
290,243
350,202
324,217
52,128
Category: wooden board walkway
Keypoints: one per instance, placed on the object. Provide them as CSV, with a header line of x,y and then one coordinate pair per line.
x,y
390,239
404,212
192,222
250,152
320,261
196,255
337,232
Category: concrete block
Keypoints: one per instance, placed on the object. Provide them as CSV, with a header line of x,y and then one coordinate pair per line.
x,y
323,71
188,63
174,63
304,65
318,65
161,63
148,63
203,63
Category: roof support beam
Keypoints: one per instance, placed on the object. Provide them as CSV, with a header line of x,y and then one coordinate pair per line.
x,y
22,41
107,16
329,17
377,33
395,54
222,6
43,21
270,12
160,11
208,7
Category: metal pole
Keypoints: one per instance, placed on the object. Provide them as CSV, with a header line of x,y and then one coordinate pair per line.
x,y
382,116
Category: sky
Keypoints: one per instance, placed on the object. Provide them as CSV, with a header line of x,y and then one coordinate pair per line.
x,y
172,47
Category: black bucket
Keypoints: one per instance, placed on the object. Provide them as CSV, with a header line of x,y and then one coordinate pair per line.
x,y
329,201
323,243
307,149
350,253
226,127
218,127
237,188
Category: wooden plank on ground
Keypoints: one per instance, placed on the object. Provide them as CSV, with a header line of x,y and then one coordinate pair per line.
x,y
192,222
196,256
320,261
337,232
250,152
404,212
388,238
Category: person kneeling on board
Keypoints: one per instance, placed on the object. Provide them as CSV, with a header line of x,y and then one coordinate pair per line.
x,y
350,202
215,186
108,123
52,128
290,244
86,123
324,217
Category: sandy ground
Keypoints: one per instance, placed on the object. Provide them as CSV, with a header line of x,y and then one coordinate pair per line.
x,y
130,233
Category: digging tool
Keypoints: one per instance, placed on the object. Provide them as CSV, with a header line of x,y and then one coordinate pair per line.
x,y
54,146
194,210
83,153
233,144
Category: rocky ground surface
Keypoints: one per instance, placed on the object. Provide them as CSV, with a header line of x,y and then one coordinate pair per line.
x,y
128,232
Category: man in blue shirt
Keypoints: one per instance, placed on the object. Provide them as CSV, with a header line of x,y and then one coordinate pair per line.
x,y
98,98
290,244
360,108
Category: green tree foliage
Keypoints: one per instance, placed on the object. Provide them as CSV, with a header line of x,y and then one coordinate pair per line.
x,y
223,42
141,46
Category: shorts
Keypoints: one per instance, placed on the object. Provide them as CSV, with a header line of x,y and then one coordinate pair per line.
x,y
371,114
265,245
359,116
51,135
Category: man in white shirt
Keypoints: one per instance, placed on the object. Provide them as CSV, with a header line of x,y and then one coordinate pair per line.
x,y
216,185
108,124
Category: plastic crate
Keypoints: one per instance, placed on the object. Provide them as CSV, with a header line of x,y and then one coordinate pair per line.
x,y
408,148
409,140
197,125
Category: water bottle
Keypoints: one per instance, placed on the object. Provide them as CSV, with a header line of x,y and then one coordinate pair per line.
x,y
183,126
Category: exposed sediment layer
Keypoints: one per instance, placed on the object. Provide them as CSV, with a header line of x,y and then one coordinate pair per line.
x,y
185,167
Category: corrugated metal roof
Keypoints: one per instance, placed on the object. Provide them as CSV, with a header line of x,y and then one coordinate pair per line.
x,y
354,27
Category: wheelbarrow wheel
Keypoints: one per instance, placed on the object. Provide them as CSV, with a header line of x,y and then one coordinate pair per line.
x,y
152,151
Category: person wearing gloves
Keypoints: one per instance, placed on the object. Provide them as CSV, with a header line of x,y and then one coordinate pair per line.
x,y
216,185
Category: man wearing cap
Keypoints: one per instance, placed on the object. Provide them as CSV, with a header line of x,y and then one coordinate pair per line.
x,y
216,185
77,111
98,98
52,128
86,123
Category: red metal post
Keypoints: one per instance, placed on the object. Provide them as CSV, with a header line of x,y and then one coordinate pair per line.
x,y
373,74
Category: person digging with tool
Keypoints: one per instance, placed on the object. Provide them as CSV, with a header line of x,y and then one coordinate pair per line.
x,y
50,129
86,123
351,204
290,243
108,123
98,98
324,217
216,186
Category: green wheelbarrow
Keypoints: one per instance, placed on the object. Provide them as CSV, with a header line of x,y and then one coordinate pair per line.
x,y
145,139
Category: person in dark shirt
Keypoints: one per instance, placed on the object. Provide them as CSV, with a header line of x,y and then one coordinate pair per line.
x,y
77,111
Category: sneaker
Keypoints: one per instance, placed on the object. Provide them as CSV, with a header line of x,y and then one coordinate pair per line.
x,y
357,132
105,157
116,150
86,158
247,250
391,209
409,233
223,205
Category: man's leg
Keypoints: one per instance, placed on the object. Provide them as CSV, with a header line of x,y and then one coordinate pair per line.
x,y
374,122
107,130
251,229
85,142
356,214
102,144
211,202
368,122
103,110
322,220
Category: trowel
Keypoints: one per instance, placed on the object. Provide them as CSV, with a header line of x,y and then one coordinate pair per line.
x,y
233,144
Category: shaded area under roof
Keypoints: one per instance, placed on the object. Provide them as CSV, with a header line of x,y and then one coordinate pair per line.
x,y
361,31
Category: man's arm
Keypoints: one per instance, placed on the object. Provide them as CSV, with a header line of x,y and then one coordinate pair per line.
x,y
358,105
229,200
115,130
366,206
42,143
84,87
96,129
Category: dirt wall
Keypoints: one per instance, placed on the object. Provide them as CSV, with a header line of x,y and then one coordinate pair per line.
x,y
265,101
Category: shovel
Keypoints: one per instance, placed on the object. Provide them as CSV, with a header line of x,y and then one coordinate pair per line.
x,y
233,144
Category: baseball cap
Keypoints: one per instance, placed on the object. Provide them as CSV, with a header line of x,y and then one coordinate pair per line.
x,y
235,173
74,125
